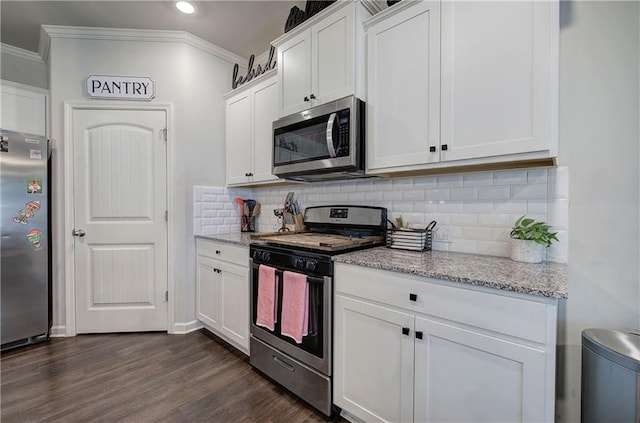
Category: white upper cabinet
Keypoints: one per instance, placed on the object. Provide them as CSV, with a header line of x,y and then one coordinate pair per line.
x,y
456,83
249,145
499,78
23,108
403,85
321,60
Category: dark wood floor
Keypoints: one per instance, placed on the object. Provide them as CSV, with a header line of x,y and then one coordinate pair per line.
x,y
147,377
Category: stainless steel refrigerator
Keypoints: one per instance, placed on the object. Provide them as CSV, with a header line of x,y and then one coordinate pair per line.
x,y
25,268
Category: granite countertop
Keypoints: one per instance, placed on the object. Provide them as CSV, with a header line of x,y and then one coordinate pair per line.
x,y
242,238
545,279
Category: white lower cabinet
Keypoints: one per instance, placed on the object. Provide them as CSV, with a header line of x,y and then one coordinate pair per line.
x,y
222,291
404,361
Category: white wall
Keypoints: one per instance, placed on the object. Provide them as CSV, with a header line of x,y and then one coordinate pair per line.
x,y
599,143
22,66
193,81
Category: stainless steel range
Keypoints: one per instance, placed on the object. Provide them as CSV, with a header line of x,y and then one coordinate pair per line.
x,y
304,365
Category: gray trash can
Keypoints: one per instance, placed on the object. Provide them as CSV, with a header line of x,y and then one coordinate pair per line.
x,y
610,376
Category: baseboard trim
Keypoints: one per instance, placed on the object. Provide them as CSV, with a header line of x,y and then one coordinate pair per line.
x,y
58,331
187,327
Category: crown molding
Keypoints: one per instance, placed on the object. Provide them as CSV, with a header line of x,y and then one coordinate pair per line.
x,y
21,53
144,35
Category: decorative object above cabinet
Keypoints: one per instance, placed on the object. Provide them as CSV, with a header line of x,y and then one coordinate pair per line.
x,y
322,59
461,83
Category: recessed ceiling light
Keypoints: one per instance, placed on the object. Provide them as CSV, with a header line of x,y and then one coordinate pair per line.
x,y
186,7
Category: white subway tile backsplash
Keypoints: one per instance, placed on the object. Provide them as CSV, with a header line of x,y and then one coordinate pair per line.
x,y
413,195
494,193
436,194
479,208
494,219
537,206
511,206
448,181
449,207
463,193
510,177
464,219
558,183
477,179
558,214
424,207
373,196
392,195
477,233
529,192
424,182
537,176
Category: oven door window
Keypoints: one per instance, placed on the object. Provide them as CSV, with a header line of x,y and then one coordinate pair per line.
x,y
310,141
313,342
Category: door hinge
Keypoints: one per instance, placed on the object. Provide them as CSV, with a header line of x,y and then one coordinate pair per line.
x,y
163,134
166,215
166,296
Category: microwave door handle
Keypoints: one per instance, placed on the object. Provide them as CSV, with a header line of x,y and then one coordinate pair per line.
x,y
330,147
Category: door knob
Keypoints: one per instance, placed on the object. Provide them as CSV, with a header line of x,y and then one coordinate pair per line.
x,y
78,232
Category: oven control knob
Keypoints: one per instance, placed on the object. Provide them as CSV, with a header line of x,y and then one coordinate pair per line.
x,y
311,265
298,263
266,256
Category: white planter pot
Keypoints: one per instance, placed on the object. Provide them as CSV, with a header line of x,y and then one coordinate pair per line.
x,y
526,251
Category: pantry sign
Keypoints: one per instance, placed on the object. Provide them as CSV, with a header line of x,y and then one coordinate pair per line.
x,y
120,87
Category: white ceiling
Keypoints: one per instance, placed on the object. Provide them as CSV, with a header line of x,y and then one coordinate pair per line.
x,y
243,27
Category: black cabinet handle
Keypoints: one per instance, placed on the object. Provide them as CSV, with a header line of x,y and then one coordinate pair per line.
x,y
405,331
312,97
413,297
444,147
432,149
306,98
419,334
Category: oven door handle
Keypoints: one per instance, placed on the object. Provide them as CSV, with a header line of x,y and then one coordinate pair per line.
x,y
280,274
283,364
330,147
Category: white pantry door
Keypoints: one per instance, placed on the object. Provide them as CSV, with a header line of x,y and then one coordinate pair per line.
x,y
120,200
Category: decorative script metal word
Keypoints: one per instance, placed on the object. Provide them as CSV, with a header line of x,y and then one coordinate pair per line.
x,y
297,16
251,72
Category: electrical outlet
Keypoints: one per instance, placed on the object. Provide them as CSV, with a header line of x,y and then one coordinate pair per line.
x,y
442,234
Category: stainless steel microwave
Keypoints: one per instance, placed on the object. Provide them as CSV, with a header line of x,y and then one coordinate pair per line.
x,y
321,143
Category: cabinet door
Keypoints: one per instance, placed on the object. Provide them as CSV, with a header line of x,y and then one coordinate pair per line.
x,y
238,142
499,92
265,111
294,73
23,110
208,292
234,294
373,361
403,92
333,57
462,375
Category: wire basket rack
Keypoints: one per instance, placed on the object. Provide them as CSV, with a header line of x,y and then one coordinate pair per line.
x,y
411,239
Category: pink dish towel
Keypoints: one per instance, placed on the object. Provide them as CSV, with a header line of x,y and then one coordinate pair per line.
x,y
295,306
267,295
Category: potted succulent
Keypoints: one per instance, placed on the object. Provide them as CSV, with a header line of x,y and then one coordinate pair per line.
x,y
528,240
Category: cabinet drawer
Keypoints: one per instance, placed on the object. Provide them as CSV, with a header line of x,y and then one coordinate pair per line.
x,y
223,251
517,317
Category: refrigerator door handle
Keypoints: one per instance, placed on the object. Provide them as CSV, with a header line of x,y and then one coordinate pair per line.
x,y
78,232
